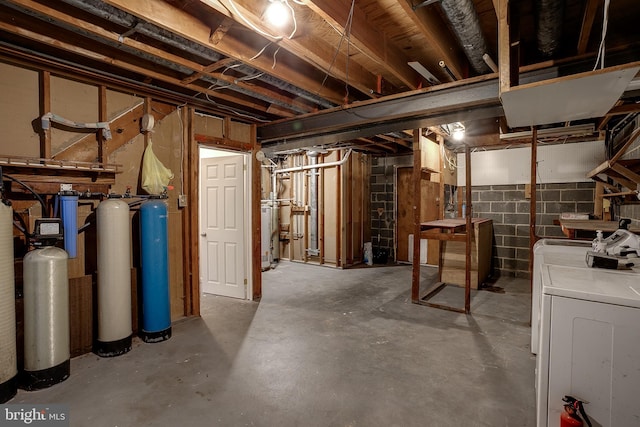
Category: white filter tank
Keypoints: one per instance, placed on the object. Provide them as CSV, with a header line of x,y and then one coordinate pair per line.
x,y
46,318
114,278
8,357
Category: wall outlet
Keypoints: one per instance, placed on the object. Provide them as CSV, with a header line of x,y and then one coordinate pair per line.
x,y
182,201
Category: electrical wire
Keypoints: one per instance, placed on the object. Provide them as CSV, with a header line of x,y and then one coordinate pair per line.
x,y
601,47
337,51
38,197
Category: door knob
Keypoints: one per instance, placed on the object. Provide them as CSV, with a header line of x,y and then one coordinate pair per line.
x,y
203,234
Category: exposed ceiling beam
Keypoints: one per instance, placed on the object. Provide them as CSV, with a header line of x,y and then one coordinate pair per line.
x,y
199,71
181,23
366,38
311,50
427,107
102,57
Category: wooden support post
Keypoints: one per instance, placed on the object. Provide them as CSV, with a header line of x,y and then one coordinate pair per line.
x,y
598,201
305,214
256,233
339,213
532,208
469,231
348,197
102,117
417,205
192,217
45,107
504,46
321,207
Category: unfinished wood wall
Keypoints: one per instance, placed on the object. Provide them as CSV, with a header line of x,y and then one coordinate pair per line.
x,y
19,107
80,102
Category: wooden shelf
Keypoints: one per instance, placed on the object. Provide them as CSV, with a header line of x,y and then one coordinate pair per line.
x,y
46,175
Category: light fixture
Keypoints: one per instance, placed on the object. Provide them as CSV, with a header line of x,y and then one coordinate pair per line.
x,y
457,131
277,13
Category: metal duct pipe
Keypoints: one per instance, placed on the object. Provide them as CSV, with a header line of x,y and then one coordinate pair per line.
x,y
466,26
313,203
549,25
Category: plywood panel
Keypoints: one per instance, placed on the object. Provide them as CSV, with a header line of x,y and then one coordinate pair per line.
x,y
556,163
575,97
429,209
240,132
119,103
208,125
80,315
453,257
176,278
19,107
429,154
74,101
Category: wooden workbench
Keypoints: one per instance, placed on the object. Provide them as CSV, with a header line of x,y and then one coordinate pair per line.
x,y
570,226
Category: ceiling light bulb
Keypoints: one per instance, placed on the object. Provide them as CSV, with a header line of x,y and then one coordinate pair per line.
x,y
458,134
277,13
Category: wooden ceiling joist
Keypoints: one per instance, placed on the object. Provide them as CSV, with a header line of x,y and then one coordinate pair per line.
x,y
181,23
366,38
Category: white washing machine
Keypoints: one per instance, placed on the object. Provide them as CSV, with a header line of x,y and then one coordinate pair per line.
x,y
553,252
589,344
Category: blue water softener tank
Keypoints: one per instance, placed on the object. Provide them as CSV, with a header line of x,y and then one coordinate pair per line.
x,y
154,262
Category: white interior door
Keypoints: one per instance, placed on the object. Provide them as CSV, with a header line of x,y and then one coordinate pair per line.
x,y
222,265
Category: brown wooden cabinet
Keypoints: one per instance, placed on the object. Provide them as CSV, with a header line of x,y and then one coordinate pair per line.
x,y
452,264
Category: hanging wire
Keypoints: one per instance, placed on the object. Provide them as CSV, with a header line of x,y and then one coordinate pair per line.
x,y
348,31
601,47
345,34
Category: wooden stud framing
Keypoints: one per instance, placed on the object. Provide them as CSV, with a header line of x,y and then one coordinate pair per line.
x,y
504,46
321,207
305,179
587,23
339,213
45,107
468,232
415,262
348,226
102,117
256,267
192,216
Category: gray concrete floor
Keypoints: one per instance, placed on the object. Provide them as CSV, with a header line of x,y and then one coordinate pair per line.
x,y
324,347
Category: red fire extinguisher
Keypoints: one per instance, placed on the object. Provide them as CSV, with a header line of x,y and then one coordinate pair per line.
x,y
570,417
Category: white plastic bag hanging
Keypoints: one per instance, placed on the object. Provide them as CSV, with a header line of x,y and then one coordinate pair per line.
x,y
155,176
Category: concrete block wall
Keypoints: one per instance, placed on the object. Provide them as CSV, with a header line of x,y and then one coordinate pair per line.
x,y
383,191
507,206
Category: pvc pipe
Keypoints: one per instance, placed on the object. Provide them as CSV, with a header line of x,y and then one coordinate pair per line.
x,y
318,166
